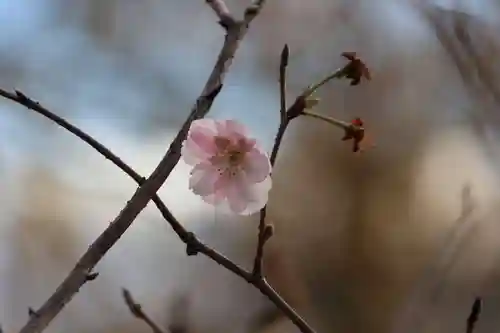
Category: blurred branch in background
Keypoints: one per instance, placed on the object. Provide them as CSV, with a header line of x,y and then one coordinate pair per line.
x,y
473,47
474,315
422,300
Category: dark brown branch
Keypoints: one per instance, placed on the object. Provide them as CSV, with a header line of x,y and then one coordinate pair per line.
x,y
474,315
265,230
282,80
78,276
136,310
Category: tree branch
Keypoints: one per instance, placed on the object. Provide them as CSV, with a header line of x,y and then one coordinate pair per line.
x,y
78,276
266,231
194,246
136,310
147,191
226,20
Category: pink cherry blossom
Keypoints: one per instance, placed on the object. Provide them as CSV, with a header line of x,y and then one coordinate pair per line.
x,y
228,166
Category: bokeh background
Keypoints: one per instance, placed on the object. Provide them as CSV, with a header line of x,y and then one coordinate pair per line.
x,y
399,239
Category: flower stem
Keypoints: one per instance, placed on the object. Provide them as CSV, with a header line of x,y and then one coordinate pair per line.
x,y
335,75
333,121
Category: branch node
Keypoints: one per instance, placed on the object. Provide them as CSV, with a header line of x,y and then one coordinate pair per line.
x,y
227,22
211,95
32,313
21,96
92,276
268,232
134,307
136,310
297,107
253,10
192,244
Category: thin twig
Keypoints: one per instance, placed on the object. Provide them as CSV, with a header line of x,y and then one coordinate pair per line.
x,y
266,231
285,54
23,100
136,310
354,70
474,315
96,251
339,123
326,79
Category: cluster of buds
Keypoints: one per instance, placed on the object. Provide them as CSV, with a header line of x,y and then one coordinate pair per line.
x,y
355,70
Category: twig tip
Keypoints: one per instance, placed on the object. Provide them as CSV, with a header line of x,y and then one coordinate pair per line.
x,y
285,54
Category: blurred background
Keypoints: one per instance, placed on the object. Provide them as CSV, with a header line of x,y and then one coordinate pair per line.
x,y
398,239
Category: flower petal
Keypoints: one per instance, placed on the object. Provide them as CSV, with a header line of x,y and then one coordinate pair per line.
x,y
260,196
199,145
203,132
231,129
246,198
203,179
205,123
192,154
256,165
238,195
245,144
204,139
237,201
215,199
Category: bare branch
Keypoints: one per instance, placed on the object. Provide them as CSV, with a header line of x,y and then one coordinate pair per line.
x,y
194,246
136,310
97,250
355,70
226,20
78,276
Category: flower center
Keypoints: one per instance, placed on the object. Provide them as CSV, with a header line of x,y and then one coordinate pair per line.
x,y
230,156
235,157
